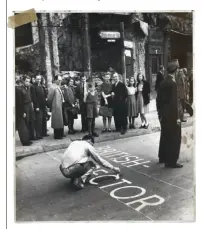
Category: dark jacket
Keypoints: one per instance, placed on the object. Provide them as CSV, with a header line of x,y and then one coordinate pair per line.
x,y
69,96
159,79
167,101
145,92
19,105
121,94
38,96
26,94
80,93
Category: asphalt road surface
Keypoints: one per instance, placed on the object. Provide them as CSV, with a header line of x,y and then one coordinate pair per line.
x,y
146,191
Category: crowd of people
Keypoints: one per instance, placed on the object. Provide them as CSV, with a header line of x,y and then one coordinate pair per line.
x,y
69,97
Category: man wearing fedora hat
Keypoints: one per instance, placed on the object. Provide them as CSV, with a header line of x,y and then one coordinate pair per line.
x,y
169,116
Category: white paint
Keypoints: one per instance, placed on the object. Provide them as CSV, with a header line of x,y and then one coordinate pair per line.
x,y
92,180
143,191
114,155
127,159
146,166
121,182
135,162
100,170
144,204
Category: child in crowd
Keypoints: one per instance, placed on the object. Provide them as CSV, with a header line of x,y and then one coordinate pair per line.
x,y
90,98
131,102
143,99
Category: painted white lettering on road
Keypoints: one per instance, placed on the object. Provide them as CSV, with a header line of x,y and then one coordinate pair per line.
x,y
124,158
112,193
144,204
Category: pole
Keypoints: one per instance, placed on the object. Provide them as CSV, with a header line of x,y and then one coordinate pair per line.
x,y
87,49
123,65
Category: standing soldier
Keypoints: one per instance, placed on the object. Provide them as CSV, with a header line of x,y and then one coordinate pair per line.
x,y
167,107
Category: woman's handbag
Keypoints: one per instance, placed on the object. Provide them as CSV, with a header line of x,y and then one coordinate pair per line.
x,y
75,110
105,111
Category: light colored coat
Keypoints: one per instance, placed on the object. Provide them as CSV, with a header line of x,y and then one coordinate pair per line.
x,y
55,102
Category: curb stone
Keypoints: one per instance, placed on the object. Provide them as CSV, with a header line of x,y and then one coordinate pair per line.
x,y
27,151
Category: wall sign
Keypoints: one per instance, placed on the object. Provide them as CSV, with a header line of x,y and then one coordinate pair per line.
x,y
156,36
128,44
109,34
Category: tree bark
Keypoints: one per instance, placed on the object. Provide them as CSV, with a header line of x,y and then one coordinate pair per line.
x,y
87,48
48,65
54,39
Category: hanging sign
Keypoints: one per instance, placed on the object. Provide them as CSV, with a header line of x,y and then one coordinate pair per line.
x,y
109,34
128,52
128,44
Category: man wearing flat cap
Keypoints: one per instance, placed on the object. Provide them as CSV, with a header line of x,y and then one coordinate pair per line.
x,y
169,116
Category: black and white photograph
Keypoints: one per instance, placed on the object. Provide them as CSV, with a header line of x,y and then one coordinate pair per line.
x,y
104,117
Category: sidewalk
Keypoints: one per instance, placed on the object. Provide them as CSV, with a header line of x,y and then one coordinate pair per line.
x,y
50,144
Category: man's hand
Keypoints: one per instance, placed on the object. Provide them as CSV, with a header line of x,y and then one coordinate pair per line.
x,y
112,93
24,115
116,170
37,109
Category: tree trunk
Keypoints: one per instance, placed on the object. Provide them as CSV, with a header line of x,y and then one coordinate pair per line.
x,y
54,40
87,48
47,49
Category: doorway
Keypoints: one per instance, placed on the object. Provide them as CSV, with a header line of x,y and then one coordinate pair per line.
x,y
154,63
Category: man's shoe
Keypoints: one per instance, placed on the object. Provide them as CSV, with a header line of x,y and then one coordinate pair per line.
x,y
146,126
173,166
123,132
161,161
95,134
46,135
28,144
71,132
38,138
78,183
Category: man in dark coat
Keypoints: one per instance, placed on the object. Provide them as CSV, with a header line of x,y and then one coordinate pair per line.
x,y
20,117
28,106
80,91
168,112
160,77
39,101
120,94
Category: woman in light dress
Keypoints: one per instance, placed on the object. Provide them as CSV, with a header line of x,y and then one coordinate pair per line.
x,y
131,103
143,99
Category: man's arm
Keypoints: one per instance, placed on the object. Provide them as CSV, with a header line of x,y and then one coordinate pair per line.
x,y
99,159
